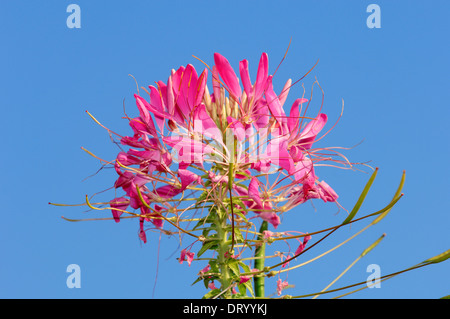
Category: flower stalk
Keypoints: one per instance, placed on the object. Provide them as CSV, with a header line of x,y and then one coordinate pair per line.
x,y
260,253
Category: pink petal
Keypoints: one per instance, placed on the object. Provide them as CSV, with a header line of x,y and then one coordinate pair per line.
x,y
267,234
278,154
237,128
190,257
204,125
304,172
261,114
206,269
200,89
296,153
127,159
271,218
245,77
157,102
212,286
182,256
311,130
170,97
285,91
119,203
275,107
253,191
243,279
143,107
229,77
186,95
294,116
261,76
186,255
262,165
302,246
281,285
142,234
326,192
186,177
167,191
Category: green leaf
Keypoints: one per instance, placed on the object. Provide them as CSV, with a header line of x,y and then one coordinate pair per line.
x,y
206,282
196,281
203,196
238,201
238,236
201,222
233,264
249,287
207,245
245,267
361,198
242,290
213,265
211,294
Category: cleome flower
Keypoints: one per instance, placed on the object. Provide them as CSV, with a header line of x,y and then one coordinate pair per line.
x,y
210,153
189,137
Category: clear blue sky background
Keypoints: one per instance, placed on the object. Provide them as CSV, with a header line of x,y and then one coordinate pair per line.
x,y
394,81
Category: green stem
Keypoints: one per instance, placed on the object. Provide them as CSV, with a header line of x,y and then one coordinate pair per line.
x,y
223,248
259,262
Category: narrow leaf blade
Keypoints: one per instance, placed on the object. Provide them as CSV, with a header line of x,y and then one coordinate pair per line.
x,y
361,198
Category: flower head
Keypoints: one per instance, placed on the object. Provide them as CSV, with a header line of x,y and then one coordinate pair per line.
x,y
188,138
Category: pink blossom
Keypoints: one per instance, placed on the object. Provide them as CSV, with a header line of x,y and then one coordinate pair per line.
x,y
142,234
244,279
186,256
302,246
119,203
281,285
206,269
212,286
267,234
263,210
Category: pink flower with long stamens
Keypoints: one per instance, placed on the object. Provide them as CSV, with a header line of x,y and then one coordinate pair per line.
x,y
184,127
207,154
210,156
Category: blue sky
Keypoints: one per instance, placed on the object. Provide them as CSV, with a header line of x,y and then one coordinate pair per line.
x,y
393,80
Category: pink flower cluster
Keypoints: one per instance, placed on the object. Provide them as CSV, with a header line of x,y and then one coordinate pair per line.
x,y
190,138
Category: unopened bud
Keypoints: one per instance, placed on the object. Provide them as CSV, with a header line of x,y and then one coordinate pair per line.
x,y
207,99
227,107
